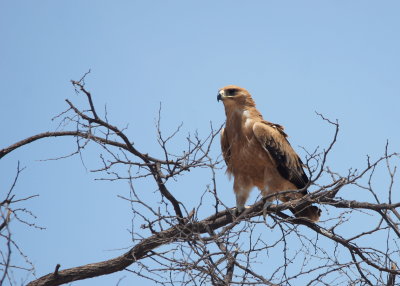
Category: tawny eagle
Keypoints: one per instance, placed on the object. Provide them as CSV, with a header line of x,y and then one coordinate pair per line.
x,y
258,154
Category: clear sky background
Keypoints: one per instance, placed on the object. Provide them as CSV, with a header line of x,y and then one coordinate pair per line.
x,y
340,58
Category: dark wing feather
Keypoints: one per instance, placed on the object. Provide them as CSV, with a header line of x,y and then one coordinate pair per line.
x,y
225,146
288,163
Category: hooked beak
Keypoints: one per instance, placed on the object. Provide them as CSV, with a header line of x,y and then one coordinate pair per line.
x,y
220,95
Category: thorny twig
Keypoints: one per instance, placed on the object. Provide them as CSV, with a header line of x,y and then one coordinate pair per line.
x,y
224,249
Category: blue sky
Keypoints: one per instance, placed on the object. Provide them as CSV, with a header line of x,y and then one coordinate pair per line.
x,y
340,58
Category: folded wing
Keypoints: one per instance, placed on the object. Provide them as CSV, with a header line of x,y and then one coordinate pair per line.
x,y
273,139
225,146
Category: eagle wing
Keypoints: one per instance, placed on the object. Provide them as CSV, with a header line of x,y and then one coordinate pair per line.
x,y
273,139
225,146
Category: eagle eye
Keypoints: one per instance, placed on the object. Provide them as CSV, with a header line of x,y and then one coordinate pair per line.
x,y
232,91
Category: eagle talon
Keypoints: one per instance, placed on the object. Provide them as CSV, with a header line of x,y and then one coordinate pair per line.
x,y
238,210
234,212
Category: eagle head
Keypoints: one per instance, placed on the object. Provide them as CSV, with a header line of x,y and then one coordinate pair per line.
x,y
235,95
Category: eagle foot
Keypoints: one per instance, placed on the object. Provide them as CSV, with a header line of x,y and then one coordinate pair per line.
x,y
238,210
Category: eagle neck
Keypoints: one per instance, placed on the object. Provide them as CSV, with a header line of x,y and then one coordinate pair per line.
x,y
236,119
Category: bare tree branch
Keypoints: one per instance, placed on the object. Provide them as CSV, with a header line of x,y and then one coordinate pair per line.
x,y
224,249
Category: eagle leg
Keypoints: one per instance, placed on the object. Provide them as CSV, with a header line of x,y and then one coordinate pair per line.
x,y
239,208
265,209
242,193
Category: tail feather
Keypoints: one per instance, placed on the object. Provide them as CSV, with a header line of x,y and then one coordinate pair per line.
x,y
311,213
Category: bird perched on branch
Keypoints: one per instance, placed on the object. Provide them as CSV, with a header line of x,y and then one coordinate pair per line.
x,y
258,154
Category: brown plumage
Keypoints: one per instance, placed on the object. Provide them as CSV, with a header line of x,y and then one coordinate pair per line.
x,y
258,154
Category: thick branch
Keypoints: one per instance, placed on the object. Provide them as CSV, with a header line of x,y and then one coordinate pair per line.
x,y
139,251
184,232
86,271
